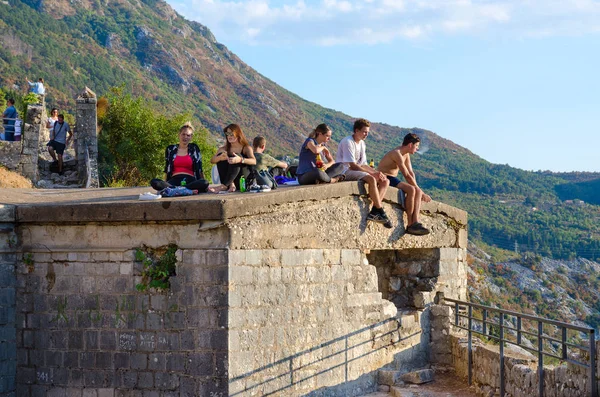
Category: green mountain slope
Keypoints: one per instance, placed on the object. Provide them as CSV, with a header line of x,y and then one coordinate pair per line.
x,y
181,67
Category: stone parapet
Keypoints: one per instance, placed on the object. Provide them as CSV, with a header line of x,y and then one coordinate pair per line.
x,y
291,217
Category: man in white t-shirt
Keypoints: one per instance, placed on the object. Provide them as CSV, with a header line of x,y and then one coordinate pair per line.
x,y
352,152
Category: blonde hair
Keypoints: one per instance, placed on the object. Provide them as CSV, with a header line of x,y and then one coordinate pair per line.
x,y
186,126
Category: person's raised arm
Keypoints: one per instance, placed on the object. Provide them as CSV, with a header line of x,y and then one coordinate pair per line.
x,y
313,147
221,155
411,178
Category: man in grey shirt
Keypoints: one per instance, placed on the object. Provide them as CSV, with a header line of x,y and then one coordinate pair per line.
x,y
59,140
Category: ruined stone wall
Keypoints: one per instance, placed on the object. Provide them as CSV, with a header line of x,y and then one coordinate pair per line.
x,y
312,322
22,156
412,277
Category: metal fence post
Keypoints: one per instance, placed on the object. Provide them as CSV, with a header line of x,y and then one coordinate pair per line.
x,y
594,384
540,359
470,345
484,322
519,335
564,343
501,354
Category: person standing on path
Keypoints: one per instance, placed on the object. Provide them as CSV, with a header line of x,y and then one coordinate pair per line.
x,y
59,140
9,117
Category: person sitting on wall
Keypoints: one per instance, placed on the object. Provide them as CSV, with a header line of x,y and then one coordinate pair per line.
x,y
183,164
352,152
59,140
38,87
312,169
9,117
233,159
265,164
396,160
263,160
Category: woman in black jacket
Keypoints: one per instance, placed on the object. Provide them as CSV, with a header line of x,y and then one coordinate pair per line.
x,y
183,162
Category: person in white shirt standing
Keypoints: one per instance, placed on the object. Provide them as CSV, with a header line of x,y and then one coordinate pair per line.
x,y
352,152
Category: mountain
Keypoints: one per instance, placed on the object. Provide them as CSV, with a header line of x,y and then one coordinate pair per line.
x,y
180,66
158,54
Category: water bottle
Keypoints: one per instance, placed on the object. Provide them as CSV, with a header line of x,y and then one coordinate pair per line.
x,y
183,182
242,184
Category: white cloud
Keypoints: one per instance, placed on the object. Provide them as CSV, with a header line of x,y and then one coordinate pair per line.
x,y
338,22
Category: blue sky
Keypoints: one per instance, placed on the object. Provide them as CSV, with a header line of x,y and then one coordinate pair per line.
x,y
516,81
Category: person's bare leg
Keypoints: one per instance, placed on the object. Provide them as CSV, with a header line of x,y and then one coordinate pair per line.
x,y
60,163
417,205
382,188
409,201
52,154
373,190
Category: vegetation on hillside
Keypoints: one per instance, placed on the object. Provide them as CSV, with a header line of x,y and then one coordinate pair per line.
x,y
178,68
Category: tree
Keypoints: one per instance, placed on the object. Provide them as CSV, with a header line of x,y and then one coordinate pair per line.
x,y
133,139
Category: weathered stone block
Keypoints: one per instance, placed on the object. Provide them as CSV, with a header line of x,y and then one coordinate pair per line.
x,y
418,377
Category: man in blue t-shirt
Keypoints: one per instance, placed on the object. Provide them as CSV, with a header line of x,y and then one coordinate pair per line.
x,y
9,117
59,140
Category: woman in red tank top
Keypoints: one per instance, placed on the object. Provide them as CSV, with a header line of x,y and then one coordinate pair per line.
x,y
183,162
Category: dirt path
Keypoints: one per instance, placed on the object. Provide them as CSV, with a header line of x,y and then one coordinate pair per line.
x,y
10,179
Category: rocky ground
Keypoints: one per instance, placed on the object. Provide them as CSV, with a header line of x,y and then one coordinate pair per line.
x,y
50,179
445,384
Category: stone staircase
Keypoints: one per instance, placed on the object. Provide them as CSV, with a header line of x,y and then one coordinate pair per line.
x,y
422,383
410,375
50,179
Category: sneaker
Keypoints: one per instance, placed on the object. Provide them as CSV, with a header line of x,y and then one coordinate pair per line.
x,y
254,189
380,218
149,196
265,188
417,229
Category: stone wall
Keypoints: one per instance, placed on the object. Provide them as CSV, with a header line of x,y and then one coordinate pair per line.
x,y
22,156
84,329
8,282
258,304
309,322
412,277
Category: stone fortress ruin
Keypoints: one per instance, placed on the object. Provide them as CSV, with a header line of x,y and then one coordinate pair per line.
x,y
287,293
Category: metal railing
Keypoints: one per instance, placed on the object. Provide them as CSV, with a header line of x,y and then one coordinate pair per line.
x,y
487,325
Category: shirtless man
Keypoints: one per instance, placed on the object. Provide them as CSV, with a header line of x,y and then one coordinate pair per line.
x,y
399,160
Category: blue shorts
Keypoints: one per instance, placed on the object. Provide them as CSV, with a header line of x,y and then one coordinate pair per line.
x,y
393,180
